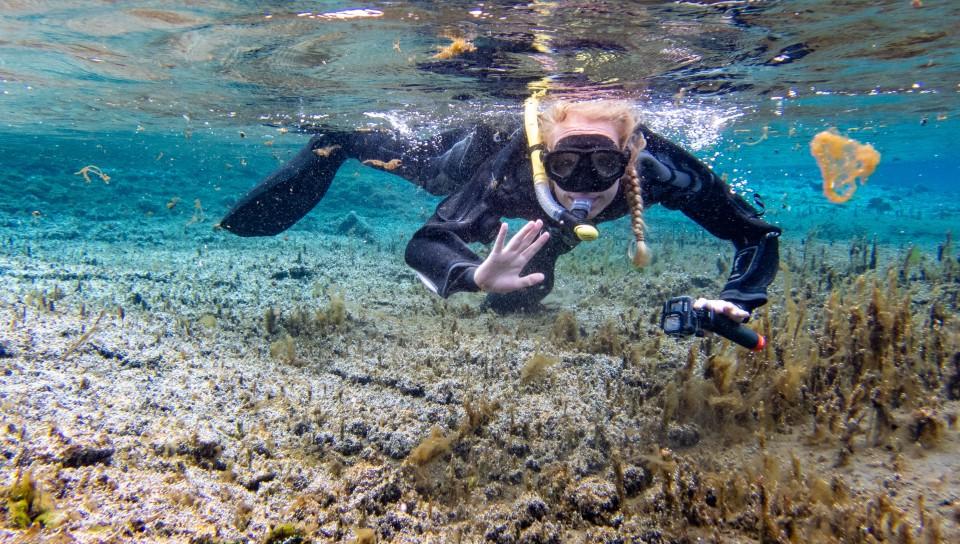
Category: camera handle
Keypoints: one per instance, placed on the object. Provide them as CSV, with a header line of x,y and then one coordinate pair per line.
x,y
680,318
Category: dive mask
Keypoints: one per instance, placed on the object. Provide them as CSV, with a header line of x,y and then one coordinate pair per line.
x,y
585,163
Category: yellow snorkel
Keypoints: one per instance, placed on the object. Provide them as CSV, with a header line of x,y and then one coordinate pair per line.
x,y
582,228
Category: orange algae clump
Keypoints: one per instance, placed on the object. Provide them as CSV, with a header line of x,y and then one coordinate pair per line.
x,y
458,47
842,162
392,164
325,151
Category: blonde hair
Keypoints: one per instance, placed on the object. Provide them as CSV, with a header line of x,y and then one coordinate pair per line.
x,y
623,116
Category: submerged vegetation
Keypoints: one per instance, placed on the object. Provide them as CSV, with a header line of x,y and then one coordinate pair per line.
x,y
437,421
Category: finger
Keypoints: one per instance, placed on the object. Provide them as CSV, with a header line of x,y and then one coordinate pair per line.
x,y
531,235
700,303
522,238
536,246
501,236
735,312
532,279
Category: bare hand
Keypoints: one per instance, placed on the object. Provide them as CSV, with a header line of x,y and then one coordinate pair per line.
x,y
500,271
723,307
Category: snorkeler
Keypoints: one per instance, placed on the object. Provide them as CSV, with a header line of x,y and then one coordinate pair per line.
x,y
592,162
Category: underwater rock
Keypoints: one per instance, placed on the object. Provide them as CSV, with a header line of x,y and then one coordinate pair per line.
x,y
301,428
879,205
84,456
358,428
392,523
372,487
323,438
347,446
701,282
501,533
541,533
354,225
529,509
5,351
682,436
397,445
254,483
594,499
518,449
636,480
294,273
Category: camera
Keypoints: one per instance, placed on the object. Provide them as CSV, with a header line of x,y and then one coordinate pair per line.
x,y
680,318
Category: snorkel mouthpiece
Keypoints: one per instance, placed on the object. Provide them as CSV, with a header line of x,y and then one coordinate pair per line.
x,y
581,208
582,229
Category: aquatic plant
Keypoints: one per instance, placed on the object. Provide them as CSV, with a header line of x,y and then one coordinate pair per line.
x,y
606,339
84,337
26,503
335,314
364,536
536,368
431,447
864,356
476,414
565,328
284,350
270,320
286,533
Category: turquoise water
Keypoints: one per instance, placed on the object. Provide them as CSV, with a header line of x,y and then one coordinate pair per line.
x,y
197,103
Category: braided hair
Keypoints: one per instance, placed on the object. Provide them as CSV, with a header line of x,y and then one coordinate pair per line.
x,y
639,252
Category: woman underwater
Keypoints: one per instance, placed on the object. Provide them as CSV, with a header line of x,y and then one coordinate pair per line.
x,y
591,162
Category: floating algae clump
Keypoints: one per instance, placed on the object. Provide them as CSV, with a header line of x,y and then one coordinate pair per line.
x,y
459,46
842,162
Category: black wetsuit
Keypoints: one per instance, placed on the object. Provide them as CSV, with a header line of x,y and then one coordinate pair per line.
x,y
486,173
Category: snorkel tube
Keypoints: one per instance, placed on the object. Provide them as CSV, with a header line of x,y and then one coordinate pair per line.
x,y
574,219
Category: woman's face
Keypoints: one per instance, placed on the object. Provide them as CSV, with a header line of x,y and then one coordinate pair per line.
x,y
576,124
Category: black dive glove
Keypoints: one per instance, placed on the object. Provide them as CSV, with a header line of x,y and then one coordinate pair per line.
x,y
754,268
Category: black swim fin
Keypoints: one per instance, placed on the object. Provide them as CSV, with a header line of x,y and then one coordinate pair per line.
x,y
289,193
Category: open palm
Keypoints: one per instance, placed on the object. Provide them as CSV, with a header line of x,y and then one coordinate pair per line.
x,y
500,271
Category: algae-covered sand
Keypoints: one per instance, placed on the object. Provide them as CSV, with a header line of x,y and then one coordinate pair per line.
x,y
308,388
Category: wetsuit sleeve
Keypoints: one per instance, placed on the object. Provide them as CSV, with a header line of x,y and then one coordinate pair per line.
x,y
439,253
702,196
285,196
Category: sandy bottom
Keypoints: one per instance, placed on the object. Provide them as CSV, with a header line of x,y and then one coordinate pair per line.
x,y
218,391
